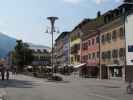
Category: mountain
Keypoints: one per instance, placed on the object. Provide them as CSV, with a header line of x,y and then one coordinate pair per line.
x,y
6,44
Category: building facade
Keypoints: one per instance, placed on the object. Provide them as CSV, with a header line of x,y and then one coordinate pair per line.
x,y
90,53
100,43
90,45
112,44
66,48
58,51
75,42
61,50
112,49
42,56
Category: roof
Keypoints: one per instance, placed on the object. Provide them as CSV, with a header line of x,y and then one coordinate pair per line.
x,y
83,22
62,35
40,47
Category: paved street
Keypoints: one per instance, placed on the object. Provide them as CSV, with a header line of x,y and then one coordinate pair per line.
x,y
73,88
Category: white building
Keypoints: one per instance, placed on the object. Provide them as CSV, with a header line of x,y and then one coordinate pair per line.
x,y
129,46
42,55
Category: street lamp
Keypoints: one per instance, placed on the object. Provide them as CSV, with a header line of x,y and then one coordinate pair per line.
x,y
52,30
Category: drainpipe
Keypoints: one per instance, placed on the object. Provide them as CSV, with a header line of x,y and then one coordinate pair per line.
x,y
100,68
124,67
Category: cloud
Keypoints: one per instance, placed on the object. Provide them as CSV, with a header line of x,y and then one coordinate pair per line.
x,y
73,1
100,1
104,1
96,1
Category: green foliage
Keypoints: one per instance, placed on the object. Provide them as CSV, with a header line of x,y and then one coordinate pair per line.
x,y
128,0
22,55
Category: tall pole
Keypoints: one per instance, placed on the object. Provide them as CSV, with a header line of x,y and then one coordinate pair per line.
x,y
100,68
52,20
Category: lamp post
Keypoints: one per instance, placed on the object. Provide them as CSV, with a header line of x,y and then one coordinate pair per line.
x,y
52,21
99,40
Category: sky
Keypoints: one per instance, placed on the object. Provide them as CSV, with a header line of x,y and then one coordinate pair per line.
x,y
26,19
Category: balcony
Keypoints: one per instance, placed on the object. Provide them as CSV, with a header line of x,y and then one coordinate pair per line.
x,y
75,49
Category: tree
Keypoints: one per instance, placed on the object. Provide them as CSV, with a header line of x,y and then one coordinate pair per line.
x,y
128,0
22,55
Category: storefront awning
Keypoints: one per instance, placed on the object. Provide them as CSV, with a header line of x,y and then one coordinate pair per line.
x,y
80,65
49,67
114,65
29,67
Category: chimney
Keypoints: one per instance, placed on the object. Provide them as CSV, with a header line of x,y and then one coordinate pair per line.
x,y
98,14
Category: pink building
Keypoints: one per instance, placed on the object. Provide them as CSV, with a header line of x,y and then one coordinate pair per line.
x,y
90,52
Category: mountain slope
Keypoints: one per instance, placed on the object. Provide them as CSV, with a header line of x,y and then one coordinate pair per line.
x,y
6,44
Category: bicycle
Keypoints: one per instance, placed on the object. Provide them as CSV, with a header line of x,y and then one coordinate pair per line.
x,y
129,88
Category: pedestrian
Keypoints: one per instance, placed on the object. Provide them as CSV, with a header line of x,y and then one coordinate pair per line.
x,y
7,74
3,72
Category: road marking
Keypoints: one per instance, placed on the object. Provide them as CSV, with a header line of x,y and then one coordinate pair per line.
x,y
102,96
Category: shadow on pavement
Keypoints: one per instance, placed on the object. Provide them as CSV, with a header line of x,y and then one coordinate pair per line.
x,y
17,83
58,81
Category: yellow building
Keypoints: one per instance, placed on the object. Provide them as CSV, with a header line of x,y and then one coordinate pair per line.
x,y
75,46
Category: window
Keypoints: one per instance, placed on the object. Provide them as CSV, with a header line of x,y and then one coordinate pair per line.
x,y
103,55
115,53
114,36
71,59
75,57
85,58
103,39
108,54
93,41
85,46
78,34
97,39
121,32
89,42
38,50
121,52
98,54
93,55
78,58
108,37
78,46
89,56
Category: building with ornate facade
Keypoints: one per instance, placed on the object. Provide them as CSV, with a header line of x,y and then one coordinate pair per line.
x,y
75,42
90,45
61,50
101,43
42,55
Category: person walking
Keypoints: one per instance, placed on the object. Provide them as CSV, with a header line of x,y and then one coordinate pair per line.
x,y
3,73
7,74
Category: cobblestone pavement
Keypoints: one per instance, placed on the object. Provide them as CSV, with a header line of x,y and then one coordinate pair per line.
x,y
72,88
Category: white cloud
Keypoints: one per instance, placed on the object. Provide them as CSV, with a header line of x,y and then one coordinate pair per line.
x,y
100,1
103,1
73,1
96,1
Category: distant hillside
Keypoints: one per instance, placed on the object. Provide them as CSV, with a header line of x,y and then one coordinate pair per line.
x,y
6,44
